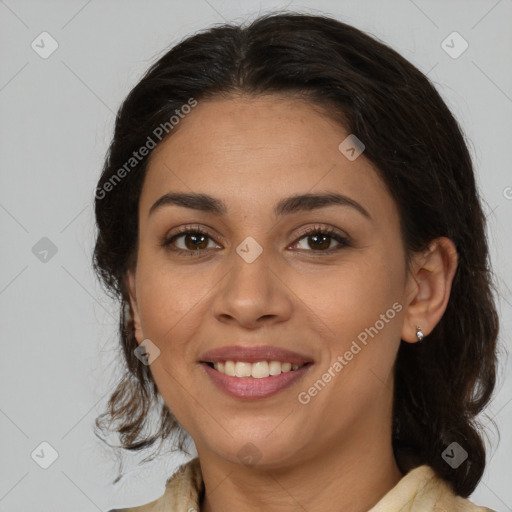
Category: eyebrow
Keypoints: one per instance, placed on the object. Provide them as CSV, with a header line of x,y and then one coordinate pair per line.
x,y
286,206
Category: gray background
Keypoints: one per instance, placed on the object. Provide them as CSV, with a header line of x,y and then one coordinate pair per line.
x,y
58,328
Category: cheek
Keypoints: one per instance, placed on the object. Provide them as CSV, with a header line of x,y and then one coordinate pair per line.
x,y
170,300
360,313
354,295
361,307
172,304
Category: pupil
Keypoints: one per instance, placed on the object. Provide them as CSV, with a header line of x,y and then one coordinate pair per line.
x,y
323,245
195,240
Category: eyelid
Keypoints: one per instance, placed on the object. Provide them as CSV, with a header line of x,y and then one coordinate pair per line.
x,y
339,236
184,230
193,228
326,229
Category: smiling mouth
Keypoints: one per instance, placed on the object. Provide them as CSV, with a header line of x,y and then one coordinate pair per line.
x,y
260,386
257,370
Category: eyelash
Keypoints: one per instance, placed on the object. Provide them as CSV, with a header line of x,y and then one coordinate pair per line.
x,y
316,230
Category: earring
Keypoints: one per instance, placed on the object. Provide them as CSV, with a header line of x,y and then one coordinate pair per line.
x,y
419,333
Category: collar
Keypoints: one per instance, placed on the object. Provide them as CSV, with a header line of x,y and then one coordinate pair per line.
x,y
420,490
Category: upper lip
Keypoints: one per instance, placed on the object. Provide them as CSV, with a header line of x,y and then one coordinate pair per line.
x,y
253,355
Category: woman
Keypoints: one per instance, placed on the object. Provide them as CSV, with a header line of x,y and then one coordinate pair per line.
x,y
288,216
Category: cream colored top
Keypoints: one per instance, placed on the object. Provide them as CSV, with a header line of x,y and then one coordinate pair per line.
x,y
420,490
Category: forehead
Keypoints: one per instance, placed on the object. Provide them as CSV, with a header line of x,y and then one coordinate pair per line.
x,y
252,151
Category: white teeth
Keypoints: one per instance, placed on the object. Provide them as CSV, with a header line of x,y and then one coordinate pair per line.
x,y
242,369
286,367
229,368
274,367
259,370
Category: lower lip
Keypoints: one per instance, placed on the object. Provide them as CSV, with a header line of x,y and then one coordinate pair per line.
x,y
249,387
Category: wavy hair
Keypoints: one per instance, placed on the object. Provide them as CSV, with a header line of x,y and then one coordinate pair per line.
x,y
420,152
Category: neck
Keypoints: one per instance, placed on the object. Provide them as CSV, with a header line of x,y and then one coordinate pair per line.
x,y
351,475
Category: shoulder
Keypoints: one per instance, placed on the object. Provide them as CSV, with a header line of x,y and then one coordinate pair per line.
x,y
422,489
183,492
445,499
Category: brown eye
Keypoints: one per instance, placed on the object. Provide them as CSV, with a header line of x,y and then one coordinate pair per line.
x,y
188,241
319,240
194,241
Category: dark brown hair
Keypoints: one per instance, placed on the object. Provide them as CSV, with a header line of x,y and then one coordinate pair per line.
x,y
419,151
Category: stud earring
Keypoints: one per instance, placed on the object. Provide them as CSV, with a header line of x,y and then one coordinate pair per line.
x,y
419,333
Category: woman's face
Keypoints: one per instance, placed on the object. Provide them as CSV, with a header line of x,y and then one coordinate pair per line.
x,y
259,280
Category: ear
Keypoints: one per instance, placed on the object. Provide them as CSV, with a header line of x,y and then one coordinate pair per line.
x,y
428,287
134,310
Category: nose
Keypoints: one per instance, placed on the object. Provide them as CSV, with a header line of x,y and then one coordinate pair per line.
x,y
253,293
